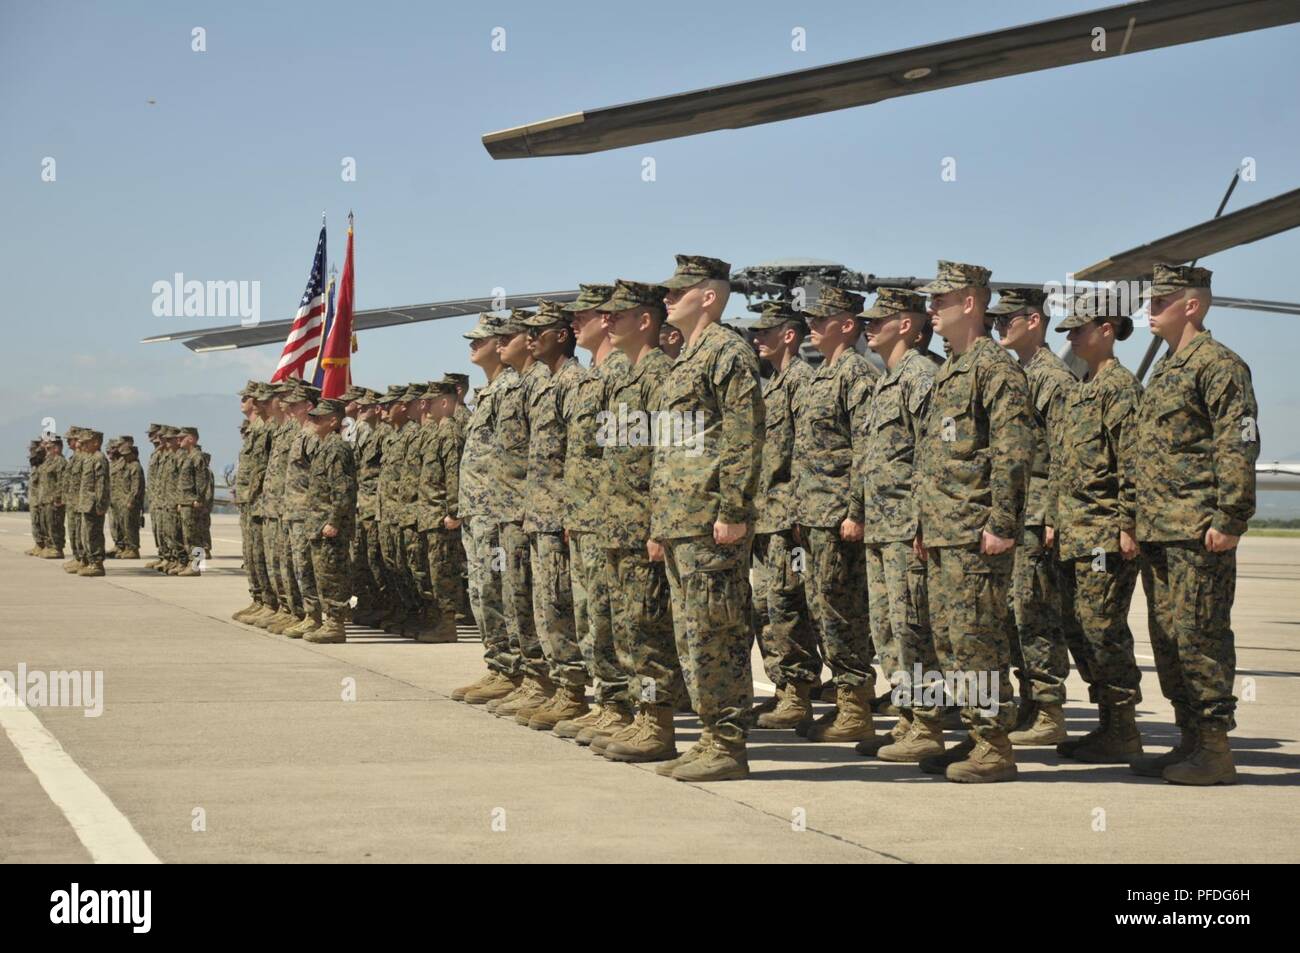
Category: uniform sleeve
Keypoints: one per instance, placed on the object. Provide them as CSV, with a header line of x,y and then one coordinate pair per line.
x,y
450,447
134,483
740,439
1055,417
1120,418
1230,399
103,492
858,403
341,482
1006,401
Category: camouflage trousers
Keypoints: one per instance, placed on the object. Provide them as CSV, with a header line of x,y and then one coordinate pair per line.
x,y
329,571
367,566
92,537
190,520
461,572
1095,596
170,540
153,528
900,619
482,541
259,583
274,568
55,525
437,579
1189,611
967,593
72,522
711,623
39,539
587,567
291,595
837,584
205,527
517,601
300,568
553,609
393,540
1035,633
125,527
643,625
782,620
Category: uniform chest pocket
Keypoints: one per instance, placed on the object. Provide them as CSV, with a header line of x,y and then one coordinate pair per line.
x,y
886,411
955,423
687,388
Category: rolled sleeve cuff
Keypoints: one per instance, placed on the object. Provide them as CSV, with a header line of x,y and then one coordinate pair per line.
x,y
1228,524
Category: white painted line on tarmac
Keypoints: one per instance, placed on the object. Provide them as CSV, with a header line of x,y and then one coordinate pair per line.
x,y
99,825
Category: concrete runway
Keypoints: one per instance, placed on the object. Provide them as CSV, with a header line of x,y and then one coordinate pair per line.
x,y
222,743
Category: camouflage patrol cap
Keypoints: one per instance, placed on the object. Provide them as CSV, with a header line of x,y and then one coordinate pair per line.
x,y
154,428
549,314
112,444
486,327
189,432
328,407
352,393
1011,300
590,297
775,314
460,380
391,396
1095,304
93,435
891,302
367,397
413,392
633,294
955,275
832,300
515,321
1171,279
692,269
126,440
443,388
33,444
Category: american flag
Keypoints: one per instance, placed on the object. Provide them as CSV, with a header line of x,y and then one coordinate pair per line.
x,y
304,338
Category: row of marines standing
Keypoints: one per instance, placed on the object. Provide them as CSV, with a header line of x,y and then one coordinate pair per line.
x,y
995,510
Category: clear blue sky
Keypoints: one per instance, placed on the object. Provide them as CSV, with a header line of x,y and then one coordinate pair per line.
x,y
226,176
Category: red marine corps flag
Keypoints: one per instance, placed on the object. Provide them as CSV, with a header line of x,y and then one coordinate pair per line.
x,y
335,357
303,342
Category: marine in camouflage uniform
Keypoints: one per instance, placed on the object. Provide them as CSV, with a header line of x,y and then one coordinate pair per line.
x,y
585,488
476,508
406,489
550,341
249,475
151,491
369,582
460,420
133,497
191,489
703,488
510,471
330,518
1094,538
92,503
898,330
279,565
1037,635
70,486
830,440
1192,468
35,504
206,500
296,526
782,618
638,585
438,481
973,469
114,526
392,510
53,498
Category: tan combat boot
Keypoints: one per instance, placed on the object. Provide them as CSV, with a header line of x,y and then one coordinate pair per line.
x,y
264,618
614,719
1046,728
627,731
1153,766
570,728
498,687
329,632
284,619
248,610
1210,763
989,761
188,570
310,623
938,764
923,740
895,734
72,565
852,721
523,714
91,569
1067,748
666,769
1120,743
53,553
458,694
655,741
153,563
522,685
793,707
722,760
530,694
568,702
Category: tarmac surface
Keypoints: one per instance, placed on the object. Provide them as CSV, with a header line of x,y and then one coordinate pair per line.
x,y
220,742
